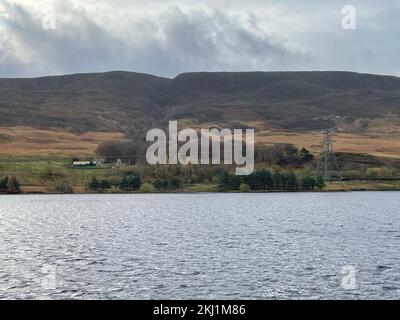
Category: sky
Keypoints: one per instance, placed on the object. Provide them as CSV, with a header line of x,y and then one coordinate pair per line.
x,y
165,38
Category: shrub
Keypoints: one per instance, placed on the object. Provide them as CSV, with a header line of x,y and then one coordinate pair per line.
x,y
160,184
3,185
124,185
320,183
244,188
13,185
130,183
9,184
175,183
278,181
146,188
94,184
104,184
223,183
308,183
234,182
292,182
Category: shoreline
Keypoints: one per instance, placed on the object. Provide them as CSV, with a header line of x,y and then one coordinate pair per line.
x,y
346,186
202,192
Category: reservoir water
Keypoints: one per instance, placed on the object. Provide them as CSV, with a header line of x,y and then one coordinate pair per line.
x,y
205,246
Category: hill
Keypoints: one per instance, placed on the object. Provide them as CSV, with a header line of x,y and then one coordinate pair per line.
x,y
127,101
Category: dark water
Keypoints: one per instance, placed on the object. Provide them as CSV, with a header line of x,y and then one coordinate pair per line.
x,y
226,246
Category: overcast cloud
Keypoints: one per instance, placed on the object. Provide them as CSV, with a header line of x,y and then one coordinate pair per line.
x,y
166,38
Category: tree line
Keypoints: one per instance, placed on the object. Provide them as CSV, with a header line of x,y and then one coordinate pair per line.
x,y
127,183
132,182
260,180
267,180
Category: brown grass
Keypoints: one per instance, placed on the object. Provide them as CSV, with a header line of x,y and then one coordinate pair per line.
x,y
27,141
380,144
23,141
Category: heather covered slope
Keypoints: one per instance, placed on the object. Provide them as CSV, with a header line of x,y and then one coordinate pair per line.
x,y
84,102
286,100
120,101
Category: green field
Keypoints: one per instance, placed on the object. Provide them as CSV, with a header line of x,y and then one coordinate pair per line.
x,y
39,174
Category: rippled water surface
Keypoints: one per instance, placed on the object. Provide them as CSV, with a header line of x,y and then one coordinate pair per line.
x,y
226,246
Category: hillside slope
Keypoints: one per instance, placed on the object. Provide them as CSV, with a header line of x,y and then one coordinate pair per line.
x,y
125,101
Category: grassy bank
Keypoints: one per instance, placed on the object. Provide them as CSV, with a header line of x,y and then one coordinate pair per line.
x,y
40,174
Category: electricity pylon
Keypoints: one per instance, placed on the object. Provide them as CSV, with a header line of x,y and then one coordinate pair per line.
x,y
328,162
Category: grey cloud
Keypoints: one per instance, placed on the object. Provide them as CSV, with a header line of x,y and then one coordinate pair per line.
x,y
219,35
71,47
163,44
200,41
